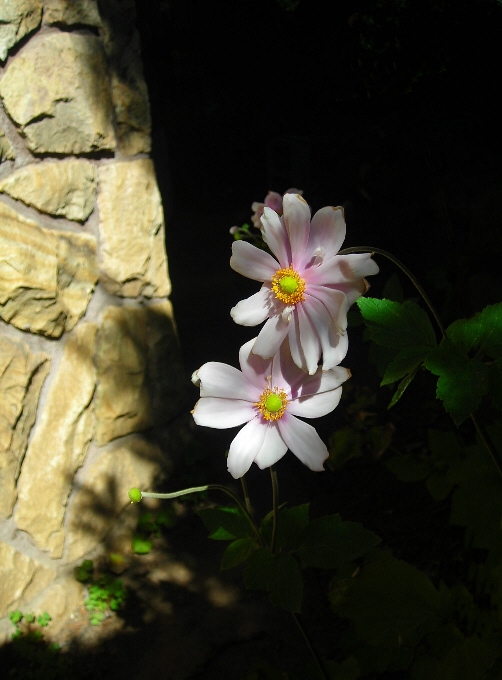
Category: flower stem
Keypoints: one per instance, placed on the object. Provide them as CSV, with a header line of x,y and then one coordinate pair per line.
x,y
485,438
404,268
209,487
275,498
322,670
245,493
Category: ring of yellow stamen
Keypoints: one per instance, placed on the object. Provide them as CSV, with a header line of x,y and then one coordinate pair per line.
x,y
288,286
272,404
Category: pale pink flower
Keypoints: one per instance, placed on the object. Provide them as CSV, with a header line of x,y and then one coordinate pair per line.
x,y
273,200
267,394
307,290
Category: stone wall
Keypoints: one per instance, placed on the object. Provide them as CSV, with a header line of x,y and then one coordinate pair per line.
x,y
90,375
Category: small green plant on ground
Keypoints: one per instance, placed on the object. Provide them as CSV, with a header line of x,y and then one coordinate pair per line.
x,y
150,525
106,593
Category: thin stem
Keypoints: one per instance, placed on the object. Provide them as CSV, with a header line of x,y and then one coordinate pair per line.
x,y
275,498
208,487
322,670
245,493
404,268
485,438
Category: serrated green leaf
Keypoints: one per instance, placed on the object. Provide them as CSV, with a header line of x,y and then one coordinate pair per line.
x,y
278,574
406,361
327,542
225,523
388,600
395,324
462,381
238,551
401,388
482,332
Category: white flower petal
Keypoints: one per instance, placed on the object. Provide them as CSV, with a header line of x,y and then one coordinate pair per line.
x,y
321,381
275,236
334,345
309,340
303,441
315,405
256,369
224,381
297,222
327,231
222,413
344,269
245,447
272,449
271,336
252,262
334,301
253,310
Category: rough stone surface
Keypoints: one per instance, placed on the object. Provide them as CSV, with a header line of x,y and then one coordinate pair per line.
x,y
21,378
122,399
104,494
66,13
59,444
69,108
67,187
132,230
22,579
6,150
46,278
18,17
60,600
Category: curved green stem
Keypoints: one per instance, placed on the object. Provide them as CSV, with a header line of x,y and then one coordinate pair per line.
x,y
209,487
275,498
405,270
245,493
322,670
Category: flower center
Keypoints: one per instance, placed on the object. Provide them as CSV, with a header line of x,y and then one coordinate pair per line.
x,y
288,286
272,404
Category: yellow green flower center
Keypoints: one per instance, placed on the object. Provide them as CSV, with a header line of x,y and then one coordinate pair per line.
x,y
272,404
288,286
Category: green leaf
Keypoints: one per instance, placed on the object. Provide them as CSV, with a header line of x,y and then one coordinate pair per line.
x,y
406,361
278,574
495,378
327,542
482,332
469,659
141,545
225,523
388,600
395,324
402,387
462,381
410,467
290,524
238,551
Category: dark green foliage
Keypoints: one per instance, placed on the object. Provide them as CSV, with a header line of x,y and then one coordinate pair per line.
x,y
105,592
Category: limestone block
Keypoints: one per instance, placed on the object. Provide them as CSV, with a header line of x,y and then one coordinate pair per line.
x,y
132,230
66,187
46,277
60,600
18,18
122,400
21,378
57,92
66,13
59,443
103,495
22,579
6,150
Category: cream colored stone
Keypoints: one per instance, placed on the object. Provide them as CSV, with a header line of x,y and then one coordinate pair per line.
x,y
21,578
60,599
70,13
57,92
122,400
66,187
21,378
132,230
6,150
46,278
17,18
59,444
96,505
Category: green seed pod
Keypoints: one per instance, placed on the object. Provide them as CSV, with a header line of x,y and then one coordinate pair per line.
x,y
135,495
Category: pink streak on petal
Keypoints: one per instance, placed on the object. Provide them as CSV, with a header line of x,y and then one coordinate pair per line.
x,y
253,310
295,343
275,236
222,413
272,449
315,405
245,447
297,222
252,262
303,441
255,368
271,337
309,340
327,231
335,302
274,200
224,381
334,346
